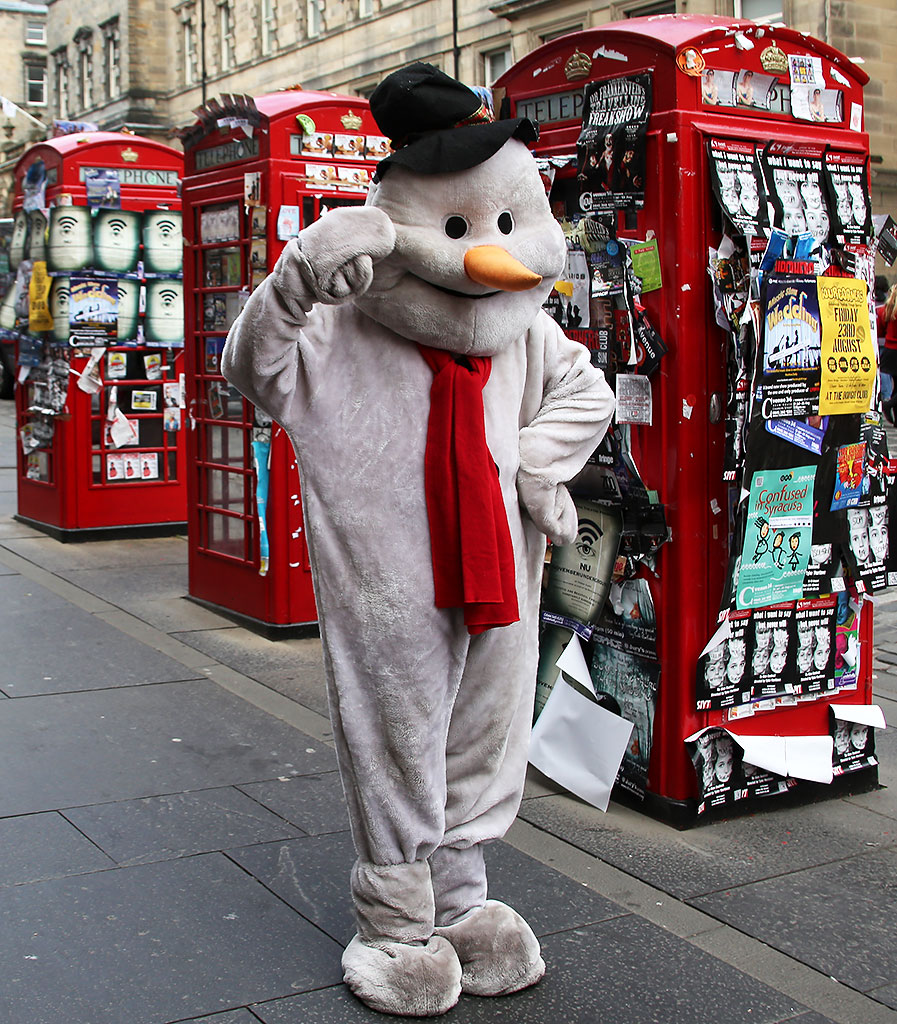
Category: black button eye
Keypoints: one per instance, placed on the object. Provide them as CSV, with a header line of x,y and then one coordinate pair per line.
x,y
505,223
456,226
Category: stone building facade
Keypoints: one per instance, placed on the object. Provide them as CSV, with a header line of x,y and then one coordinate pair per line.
x,y
146,64
24,84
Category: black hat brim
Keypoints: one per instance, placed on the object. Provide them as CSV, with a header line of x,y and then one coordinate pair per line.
x,y
458,149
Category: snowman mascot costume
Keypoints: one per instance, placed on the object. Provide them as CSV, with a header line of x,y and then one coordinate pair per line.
x,y
436,411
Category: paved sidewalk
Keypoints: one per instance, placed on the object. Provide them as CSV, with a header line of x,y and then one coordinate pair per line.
x,y
173,844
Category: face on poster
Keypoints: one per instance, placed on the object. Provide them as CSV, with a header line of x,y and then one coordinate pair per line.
x,y
777,537
848,196
795,184
738,184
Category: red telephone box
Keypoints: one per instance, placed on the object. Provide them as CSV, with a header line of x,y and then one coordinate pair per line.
x,y
75,480
681,456
257,171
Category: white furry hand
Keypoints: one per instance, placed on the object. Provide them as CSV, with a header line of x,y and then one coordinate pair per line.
x,y
335,256
549,506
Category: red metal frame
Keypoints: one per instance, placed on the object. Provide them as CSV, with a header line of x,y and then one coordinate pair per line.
x,y
681,456
77,500
224,559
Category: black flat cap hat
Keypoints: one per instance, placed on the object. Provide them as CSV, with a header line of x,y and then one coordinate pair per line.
x,y
436,124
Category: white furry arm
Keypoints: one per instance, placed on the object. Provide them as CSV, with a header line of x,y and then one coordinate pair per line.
x,y
576,410
266,355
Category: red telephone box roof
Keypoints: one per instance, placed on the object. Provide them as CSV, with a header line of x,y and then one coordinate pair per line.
x,y
66,144
667,34
112,149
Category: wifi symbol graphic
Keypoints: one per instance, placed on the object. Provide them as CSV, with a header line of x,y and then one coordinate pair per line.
x,y
167,297
166,228
589,535
162,242
69,246
116,240
165,312
66,224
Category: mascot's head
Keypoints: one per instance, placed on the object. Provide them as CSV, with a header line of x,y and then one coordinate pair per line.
x,y
477,248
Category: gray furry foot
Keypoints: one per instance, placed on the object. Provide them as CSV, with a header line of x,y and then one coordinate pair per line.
x,y
498,951
401,978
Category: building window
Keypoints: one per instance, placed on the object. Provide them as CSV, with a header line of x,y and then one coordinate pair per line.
x,y
495,64
764,12
36,85
84,42
557,33
35,33
648,10
111,58
61,75
226,35
267,26
188,43
314,18
365,8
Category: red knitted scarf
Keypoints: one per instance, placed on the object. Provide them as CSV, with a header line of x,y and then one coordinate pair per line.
x,y
473,558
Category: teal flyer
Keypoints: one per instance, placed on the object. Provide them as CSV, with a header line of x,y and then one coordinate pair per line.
x,y
777,537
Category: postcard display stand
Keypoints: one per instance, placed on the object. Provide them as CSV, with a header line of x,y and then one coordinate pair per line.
x,y
711,177
96,312
256,171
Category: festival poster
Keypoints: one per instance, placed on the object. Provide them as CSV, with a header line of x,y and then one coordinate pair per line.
x,y
627,685
850,460
754,90
868,546
810,99
777,537
649,346
773,663
737,183
718,761
93,311
724,776
795,185
847,640
850,208
611,145
816,623
878,470
627,622
853,744
723,679
607,268
824,573
568,301
848,359
808,433
788,365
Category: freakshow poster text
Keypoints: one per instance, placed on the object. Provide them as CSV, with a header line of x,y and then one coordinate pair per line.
x,y
611,145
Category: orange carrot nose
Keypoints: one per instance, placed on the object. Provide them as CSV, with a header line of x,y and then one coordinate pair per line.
x,y
491,265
